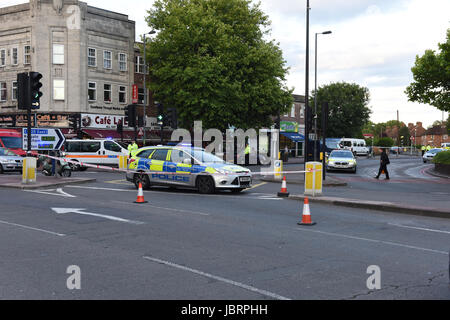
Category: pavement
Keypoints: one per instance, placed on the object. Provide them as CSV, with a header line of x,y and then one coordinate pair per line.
x,y
11,180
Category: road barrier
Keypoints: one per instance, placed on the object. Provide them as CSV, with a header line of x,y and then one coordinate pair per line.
x,y
306,215
313,178
283,192
29,170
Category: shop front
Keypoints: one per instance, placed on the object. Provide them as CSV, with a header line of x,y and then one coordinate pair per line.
x,y
291,139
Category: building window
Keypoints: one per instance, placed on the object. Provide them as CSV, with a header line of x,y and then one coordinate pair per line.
x,y
293,111
107,60
27,55
14,90
139,65
2,91
140,95
2,57
58,54
58,89
122,62
302,112
122,94
107,92
92,91
92,57
15,56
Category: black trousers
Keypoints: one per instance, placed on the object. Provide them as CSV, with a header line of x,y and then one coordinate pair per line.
x,y
383,167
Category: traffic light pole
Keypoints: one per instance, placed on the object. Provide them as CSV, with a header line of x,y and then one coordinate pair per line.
x,y
307,111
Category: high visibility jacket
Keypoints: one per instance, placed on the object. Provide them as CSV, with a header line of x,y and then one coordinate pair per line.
x,y
132,148
247,150
423,148
428,148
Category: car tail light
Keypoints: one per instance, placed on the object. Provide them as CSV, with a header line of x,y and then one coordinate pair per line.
x,y
131,160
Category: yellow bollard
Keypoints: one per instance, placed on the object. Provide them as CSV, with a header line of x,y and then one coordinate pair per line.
x,y
29,170
123,162
313,178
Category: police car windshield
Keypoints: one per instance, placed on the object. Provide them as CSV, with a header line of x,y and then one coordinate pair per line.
x,y
203,156
341,154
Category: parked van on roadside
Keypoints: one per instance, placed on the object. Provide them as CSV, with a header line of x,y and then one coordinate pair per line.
x,y
12,139
357,146
100,152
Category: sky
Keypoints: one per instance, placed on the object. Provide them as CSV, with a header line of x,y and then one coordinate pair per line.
x,y
373,43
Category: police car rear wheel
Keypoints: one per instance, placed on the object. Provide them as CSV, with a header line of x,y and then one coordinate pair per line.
x,y
138,178
205,185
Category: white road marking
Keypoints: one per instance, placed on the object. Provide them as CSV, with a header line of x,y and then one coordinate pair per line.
x,y
80,211
417,228
373,240
99,188
59,192
31,228
208,275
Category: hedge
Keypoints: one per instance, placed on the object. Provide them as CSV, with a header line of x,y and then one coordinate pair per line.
x,y
442,157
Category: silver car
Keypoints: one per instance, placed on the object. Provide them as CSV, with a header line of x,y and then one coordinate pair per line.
x,y
341,160
186,167
9,161
429,155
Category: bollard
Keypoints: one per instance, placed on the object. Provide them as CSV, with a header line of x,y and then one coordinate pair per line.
x,y
29,170
313,178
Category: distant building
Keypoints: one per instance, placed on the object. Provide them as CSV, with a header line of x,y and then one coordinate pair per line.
x,y
435,136
292,127
86,57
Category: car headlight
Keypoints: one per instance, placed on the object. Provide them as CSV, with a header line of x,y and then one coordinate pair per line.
x,y
222,171
331,162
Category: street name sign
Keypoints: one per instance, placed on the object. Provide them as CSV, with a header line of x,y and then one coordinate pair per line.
x,y
43,139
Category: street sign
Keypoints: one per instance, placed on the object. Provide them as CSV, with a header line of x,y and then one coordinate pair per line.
x,y
141,132
135,94
43,139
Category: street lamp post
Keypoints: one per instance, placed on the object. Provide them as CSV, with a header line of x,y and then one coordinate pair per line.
x,y
315,96
145,85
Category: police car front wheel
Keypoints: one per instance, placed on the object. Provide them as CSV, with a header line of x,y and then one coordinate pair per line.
x,y
205,185
141,178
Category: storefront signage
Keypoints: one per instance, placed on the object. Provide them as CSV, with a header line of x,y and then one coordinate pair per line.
x,y
101,121
287,126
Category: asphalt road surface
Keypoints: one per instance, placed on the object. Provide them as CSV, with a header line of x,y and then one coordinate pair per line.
x,y
183,245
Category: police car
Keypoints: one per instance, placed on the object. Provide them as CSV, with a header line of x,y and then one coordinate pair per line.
x,y
181,166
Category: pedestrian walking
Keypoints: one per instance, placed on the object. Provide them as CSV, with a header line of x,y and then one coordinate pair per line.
x,y
384,161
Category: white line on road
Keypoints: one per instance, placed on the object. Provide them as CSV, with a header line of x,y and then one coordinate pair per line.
x,y
373,240
82,212
31,228
417,228
59,192
208,275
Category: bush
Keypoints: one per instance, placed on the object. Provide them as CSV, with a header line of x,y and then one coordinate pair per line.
x,y
442,157
384,142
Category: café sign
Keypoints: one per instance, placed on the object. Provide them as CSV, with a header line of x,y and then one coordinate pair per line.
x,y
101,121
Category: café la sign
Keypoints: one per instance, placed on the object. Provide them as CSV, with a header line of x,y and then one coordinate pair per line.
x,y
101,121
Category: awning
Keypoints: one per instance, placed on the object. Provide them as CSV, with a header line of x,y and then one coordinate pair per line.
x,y
294,136
102,134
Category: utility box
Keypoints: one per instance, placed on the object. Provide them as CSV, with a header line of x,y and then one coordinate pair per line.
x,y
313,178
29,170
278,169
123,162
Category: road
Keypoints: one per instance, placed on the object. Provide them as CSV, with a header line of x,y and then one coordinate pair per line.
x,y
183,245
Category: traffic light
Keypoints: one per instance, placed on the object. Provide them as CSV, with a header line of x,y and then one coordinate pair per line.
x,y
171,118
73,123
23,98
140,121
35,86
160,117
130,115
120,127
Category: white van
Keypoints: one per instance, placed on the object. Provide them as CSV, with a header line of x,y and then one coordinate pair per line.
x,y
445,145
357,146
101,152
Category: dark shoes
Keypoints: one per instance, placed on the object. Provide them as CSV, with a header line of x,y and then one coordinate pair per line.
x,y
376,177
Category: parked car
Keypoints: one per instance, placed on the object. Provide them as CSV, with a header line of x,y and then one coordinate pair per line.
x,y
357,146
429,155
396,150
9,161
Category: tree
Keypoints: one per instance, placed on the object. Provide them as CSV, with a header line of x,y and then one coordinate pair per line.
x,y
431,74
404,136
348,108
210,61
384,142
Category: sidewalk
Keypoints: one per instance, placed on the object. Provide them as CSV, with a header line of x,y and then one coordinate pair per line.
x,y
15,181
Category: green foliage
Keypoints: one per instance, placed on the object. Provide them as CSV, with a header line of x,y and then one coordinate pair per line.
x,y
384,142
348,108
404,132
442,157
210,61
431,74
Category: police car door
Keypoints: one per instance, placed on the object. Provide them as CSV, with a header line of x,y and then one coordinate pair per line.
x,y
157,174
179,166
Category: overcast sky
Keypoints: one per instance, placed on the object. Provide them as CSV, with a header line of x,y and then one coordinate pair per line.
x,y
373,44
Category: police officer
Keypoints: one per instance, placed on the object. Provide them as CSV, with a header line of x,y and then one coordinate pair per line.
x,y
384,161
423,150
247,153
428,148
132,148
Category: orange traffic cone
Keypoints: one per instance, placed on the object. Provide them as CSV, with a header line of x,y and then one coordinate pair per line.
x,y
306,217
140,196
283,192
